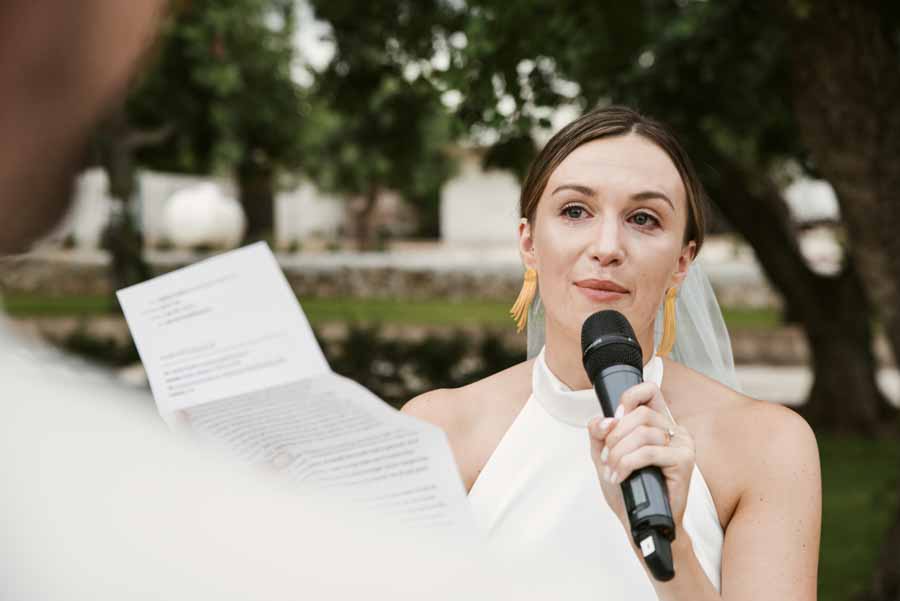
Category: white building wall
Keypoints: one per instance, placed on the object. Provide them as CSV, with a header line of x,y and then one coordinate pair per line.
x,y
477,207
89,212
480,207
91,204
304,212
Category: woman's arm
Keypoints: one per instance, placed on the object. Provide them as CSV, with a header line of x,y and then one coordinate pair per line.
x,y
771,546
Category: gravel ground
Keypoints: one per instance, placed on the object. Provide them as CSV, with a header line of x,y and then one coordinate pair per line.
x,y
789,385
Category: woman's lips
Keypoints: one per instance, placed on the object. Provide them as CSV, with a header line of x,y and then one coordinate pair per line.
x,y
602,295
598,290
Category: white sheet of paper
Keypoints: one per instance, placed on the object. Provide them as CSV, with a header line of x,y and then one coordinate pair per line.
x,y
227,346
220,327
331,433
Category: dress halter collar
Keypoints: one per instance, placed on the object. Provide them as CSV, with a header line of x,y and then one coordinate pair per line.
x,y
575,407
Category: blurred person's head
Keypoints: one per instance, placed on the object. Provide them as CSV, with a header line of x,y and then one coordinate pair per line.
x,y
62,66
611,198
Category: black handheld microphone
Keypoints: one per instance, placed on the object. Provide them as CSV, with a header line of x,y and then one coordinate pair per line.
x,y
614,362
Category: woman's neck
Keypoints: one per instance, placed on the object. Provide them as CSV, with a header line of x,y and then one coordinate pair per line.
x,y
562,353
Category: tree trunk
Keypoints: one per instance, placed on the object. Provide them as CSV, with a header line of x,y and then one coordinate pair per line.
x,y
832,309
844,397
846,85
364,226
257,196
122,238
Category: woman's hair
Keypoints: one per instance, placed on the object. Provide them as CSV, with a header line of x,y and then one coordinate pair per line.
x,y
609,122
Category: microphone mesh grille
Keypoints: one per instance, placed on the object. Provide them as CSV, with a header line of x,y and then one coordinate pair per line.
x,y
609,323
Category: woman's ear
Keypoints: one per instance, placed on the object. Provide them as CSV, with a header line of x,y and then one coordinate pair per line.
x,y
526,244
688,252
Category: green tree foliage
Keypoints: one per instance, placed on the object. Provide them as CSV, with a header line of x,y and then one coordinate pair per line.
x,y
222,83
381,125
222,80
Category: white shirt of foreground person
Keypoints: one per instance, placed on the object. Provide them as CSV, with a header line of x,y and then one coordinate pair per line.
x,y
539,490
101,502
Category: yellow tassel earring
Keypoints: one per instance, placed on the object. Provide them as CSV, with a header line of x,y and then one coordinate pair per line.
x,y
520,308
668,337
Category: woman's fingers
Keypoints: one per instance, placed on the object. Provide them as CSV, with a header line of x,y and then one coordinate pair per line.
x,y
661,457
639,437
599,428
644,393
641,416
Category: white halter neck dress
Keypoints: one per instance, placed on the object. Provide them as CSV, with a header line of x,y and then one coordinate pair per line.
x,y
539,490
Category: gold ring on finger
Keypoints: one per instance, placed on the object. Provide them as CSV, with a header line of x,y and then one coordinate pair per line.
x,y
670,434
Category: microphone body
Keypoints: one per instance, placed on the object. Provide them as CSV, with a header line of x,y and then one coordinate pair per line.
x,y
613,370
644,491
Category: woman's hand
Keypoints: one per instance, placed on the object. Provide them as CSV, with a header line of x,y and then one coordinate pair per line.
x,y
637,437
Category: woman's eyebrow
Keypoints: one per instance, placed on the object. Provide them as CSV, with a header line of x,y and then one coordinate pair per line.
x,y
650,194
577,188
645,195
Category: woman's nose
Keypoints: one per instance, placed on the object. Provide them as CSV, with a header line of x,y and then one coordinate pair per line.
x,y
606,243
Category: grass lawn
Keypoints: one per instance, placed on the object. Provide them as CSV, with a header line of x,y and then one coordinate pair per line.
x,y
858,504
430,312
67,306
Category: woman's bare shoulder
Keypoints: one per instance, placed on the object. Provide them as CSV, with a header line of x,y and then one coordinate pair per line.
x,y
761,463
475,416
700,398
731,429
693,395
454,409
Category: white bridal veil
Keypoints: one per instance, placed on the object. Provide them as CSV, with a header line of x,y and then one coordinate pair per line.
x,y
701,338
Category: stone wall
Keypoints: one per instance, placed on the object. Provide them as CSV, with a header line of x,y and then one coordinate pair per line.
x,y
770,346
490,273
57,274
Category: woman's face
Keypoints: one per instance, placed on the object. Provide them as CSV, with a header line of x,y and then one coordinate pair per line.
x,y
607,234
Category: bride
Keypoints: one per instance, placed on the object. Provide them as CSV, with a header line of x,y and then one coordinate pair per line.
x,y
612,218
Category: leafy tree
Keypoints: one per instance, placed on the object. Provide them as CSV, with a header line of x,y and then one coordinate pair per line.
x,y
381,122
222,83
845,70
732,94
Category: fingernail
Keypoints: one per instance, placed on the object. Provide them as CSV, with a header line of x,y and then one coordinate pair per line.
x,y
281,460
603,455
606,473
615,478
605,424
620,411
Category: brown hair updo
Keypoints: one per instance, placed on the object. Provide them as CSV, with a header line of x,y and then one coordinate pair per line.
x,y
609,122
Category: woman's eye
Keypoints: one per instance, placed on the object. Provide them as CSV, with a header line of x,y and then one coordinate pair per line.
x,y
573,211
645,219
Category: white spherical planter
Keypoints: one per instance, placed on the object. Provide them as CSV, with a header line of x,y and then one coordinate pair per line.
x,y
203,216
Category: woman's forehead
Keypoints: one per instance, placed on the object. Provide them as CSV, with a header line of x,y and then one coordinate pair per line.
x,y
620,165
